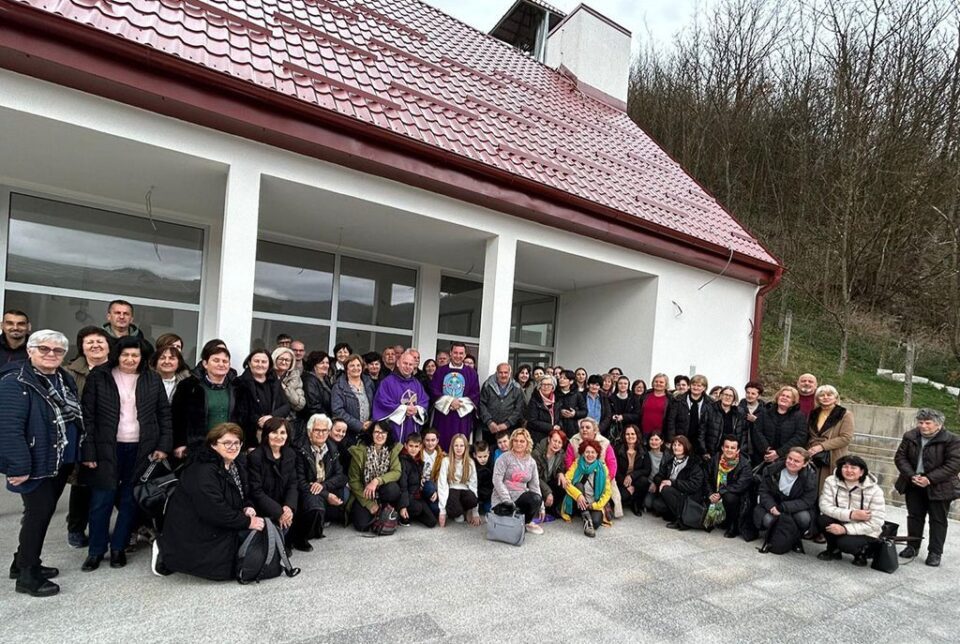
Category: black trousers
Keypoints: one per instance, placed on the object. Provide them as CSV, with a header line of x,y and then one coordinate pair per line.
x,y
420,511
731,505
558,493
309,518
529,503
388,494
849,543
764,520
38,508
669,502
79,509
636,500
459,502
919,506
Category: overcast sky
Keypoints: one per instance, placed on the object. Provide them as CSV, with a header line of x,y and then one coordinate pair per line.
x,y
656,19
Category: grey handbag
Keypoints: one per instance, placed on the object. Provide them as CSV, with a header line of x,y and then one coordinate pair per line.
x,y
508,528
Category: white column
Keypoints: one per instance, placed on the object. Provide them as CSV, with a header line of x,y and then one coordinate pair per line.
x,y
428,310
237,259
498,270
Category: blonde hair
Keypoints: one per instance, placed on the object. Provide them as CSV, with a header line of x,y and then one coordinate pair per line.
x,y
522,432
452,461
793,392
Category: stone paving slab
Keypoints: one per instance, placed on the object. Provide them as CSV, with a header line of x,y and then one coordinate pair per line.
x,y
636,582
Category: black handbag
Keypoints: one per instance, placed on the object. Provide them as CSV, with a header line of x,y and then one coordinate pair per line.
x,y
821,459
692,514
261,556
155,487
885,559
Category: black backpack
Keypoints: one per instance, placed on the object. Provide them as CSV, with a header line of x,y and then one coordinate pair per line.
x,y
784,534
261,556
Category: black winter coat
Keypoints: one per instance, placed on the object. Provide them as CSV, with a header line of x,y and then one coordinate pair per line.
x,y
689,480
273,483
8,355
641,465
738,480
317,392
574,400
713,439
778,431
941,463
410,480
627,407
540,421
803,495
678,421
334,476
204,520
189,411
258,399
101,413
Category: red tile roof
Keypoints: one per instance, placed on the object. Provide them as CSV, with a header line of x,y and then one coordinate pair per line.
x,y
406,67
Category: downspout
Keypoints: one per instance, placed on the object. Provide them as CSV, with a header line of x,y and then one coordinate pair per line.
x,y
758,320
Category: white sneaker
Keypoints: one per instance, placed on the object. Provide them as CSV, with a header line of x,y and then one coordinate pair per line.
x,y
156,565
533,528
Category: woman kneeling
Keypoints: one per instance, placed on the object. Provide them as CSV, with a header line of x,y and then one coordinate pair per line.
x,y
374,472
588,487
852,511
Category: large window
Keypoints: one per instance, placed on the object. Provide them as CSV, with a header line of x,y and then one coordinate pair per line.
x,y
322,298
65,262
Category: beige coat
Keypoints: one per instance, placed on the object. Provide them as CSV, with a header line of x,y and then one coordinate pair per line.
x,y
835,436
839,499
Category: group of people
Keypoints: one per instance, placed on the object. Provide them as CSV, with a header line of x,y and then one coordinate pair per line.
x,y
312,440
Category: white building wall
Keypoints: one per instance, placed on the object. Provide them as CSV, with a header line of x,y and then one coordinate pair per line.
x,y
712,333
608,326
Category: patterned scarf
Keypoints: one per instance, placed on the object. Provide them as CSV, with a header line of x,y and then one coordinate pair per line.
x,y
378,462
235,477
586,470
725,467
318,454
66,409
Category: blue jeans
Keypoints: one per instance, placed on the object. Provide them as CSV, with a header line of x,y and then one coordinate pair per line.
x,y
101,505
429,489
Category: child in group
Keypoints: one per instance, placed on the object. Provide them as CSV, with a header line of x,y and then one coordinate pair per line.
x,y
432,455
503,445
412,506
481,454
457,484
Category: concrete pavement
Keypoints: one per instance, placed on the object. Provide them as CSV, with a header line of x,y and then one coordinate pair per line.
x,y
636,582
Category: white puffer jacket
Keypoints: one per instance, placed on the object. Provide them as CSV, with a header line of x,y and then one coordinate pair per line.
x,y
839,499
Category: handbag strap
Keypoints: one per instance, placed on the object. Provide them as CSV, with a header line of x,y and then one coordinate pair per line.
x,y
153,465
242,554
276,547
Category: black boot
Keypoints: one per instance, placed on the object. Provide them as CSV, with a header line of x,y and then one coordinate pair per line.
x,y
31,582
45,571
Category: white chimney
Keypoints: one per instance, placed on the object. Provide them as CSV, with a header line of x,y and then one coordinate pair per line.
x,y
595,52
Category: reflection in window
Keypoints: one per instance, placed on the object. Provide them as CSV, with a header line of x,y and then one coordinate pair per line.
x,y
293,281
263,334
532,358
365,341
460,307
70,314
376,294
533,318
76,247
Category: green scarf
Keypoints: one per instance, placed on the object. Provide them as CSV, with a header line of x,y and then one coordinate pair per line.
x,y
584,470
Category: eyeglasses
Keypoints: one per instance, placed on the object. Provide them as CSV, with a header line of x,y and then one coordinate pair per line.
x,y
44,350
379,432
229,444
320,430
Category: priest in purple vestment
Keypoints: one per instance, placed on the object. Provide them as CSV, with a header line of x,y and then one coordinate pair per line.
x,y
455,391
400,401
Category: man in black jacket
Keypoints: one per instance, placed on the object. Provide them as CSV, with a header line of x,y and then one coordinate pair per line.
x,y
13,337
929,462
120,324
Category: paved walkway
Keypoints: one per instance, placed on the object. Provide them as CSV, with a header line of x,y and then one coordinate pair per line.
x,y
636,582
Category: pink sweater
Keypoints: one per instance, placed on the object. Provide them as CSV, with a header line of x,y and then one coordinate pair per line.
x,y
609,457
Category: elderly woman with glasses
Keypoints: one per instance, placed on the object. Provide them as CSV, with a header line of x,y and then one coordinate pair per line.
x,y
41,429
321,480
543,410
208,512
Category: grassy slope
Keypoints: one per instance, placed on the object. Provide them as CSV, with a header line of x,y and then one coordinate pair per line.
x,y
815,349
